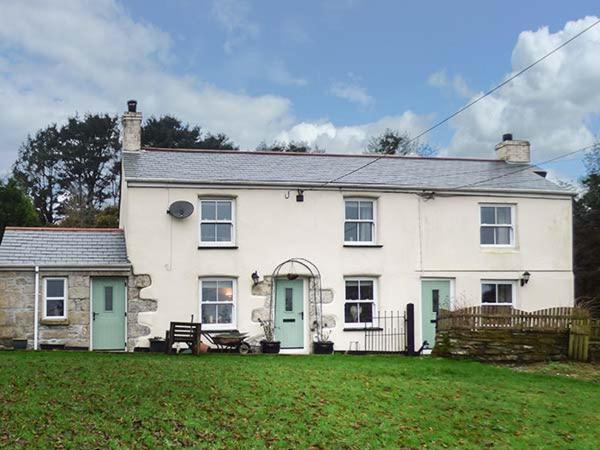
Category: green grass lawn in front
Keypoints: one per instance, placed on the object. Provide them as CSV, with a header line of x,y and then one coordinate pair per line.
x,y
94,400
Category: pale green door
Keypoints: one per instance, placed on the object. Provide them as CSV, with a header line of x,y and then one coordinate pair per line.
x,y
108,313
289,313
435,294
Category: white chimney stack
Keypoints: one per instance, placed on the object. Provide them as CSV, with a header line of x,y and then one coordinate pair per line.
x,y
513,151
132,128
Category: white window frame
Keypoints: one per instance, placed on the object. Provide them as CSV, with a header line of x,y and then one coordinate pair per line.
x,y
64,298
373,221
219,326
232,222
512,226
513,284
374,301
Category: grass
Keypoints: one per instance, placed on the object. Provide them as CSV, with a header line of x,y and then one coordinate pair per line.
x,y
577,370
92,400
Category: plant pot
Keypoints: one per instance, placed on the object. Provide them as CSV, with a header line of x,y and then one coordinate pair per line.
x,y
19,344
270,346
158,346
323,348
203,347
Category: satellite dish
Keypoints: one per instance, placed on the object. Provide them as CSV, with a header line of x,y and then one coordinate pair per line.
x,y
181,209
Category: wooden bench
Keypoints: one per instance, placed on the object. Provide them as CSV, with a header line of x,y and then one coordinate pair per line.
x,y
186,332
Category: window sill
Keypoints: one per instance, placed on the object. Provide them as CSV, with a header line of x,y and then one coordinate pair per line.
x,y
363,329
498,247
54,322
363,245
217,247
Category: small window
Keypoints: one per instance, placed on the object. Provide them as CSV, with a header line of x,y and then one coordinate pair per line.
x,y
360,303
55,298
289,300
217,303
217,222
498,292
497,225
359,223
108,298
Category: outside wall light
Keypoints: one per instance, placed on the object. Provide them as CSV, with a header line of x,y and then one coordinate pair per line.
x,y
525,278
255,277
300,195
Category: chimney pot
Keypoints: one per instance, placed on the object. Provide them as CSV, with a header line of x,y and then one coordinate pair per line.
x,y
132,128
513,151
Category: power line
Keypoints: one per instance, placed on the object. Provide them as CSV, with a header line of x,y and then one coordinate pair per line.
x,y
522,169
477,100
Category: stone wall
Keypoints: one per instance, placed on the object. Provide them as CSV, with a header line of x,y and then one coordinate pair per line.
x,y
502,346
17,308
138,304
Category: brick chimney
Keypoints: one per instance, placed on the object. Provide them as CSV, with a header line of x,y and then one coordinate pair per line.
x,y
513,151
132,128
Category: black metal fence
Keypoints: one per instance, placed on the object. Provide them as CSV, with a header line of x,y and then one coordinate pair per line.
x,y
386,333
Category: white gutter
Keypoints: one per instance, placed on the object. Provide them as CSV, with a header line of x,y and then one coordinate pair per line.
x,y
36,307
158,182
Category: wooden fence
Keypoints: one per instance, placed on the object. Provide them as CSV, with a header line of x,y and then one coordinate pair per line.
x,y
582,329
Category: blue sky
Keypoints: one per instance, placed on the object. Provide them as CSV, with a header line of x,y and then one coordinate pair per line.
x,y
327,72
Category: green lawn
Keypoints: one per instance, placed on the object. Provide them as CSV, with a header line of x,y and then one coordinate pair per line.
x,y
88,400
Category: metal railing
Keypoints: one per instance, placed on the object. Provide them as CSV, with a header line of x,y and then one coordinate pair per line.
x,y
386,333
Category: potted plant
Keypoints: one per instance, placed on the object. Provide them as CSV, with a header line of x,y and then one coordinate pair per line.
x,y
19,344
158,345
323,346
268,344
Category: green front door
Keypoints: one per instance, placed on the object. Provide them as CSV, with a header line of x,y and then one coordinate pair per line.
x,y
435,294
108,313
289,313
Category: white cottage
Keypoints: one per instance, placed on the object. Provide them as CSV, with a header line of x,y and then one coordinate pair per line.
x,y
379,234
328,242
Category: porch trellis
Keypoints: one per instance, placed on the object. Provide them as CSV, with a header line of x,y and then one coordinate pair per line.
x,y
315,287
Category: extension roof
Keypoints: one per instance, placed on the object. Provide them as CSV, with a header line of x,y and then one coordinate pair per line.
x,y
227,167
63,247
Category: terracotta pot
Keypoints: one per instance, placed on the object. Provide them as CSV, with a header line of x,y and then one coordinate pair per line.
x,y
203,347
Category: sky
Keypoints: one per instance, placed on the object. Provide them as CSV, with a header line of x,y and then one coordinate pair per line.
x,y
331,73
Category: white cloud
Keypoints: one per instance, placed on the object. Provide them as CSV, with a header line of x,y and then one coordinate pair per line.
x,y
352,92
551,105
92,56
352,139
233,16
457,83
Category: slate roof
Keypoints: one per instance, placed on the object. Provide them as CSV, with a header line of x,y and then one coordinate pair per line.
x,y
66,247
236,167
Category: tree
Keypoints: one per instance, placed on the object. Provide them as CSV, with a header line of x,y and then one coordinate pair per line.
x,y
38,171
393,142
586,226
170,132
90,151
290,147
16,209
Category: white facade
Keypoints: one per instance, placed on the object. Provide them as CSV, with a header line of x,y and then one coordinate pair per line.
x,y
415,238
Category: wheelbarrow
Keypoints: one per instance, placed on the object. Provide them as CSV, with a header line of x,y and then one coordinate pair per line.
x,y
232,341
